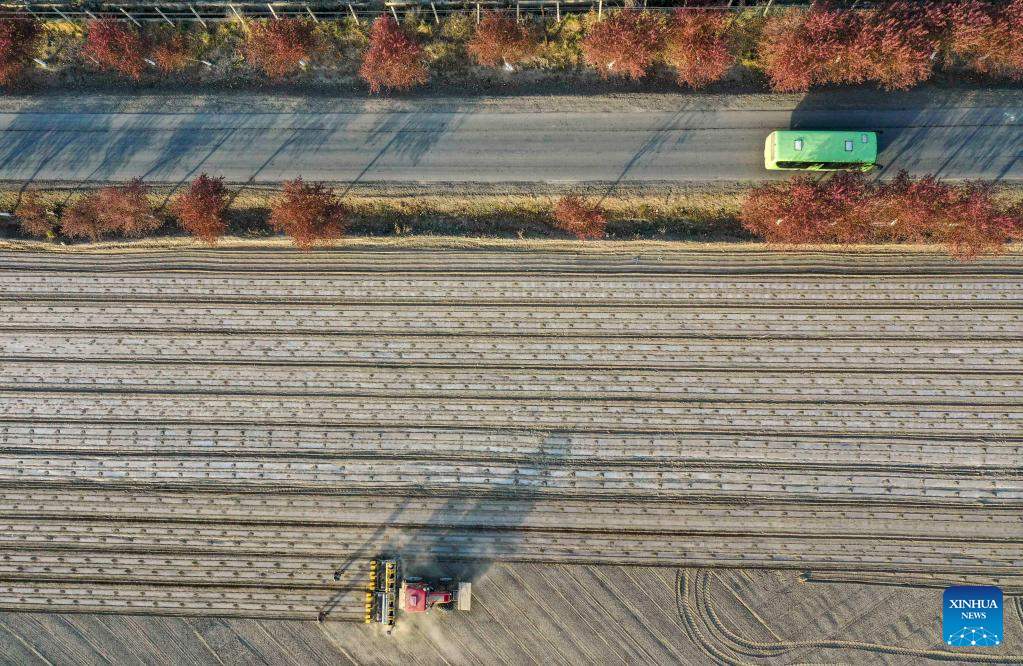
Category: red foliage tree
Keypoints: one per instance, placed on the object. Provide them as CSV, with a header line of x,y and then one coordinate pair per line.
x,y
309,213
123,209
891,45
805,210
18,38
115,46
202,210
848,208
34,217
896,44
279,47
393,59
83,219
698,47
172,53
579,218
964,217
500,39
625,44
987,37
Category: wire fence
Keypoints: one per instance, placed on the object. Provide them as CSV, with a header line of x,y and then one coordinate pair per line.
x,y
178,12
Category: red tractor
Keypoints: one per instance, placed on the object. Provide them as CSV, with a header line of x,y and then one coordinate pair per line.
x,y
412,595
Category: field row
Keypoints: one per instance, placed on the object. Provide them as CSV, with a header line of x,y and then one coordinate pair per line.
x,y
317,515
185,600
343,544
564,415
546,479
733,385
226,568
537,320
496,351
692,291
507,446
629,258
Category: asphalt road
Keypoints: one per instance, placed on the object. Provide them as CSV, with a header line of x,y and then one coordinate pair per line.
x,y
45,144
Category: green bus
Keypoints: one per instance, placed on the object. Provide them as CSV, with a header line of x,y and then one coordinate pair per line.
x,y
821,150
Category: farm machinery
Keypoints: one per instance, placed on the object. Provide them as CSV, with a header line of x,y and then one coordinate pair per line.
x,y
390,591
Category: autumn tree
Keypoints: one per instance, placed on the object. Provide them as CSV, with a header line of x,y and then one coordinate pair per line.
x,y
123,209
579,218
698,46
625,44
807,210
501,40
115,46
987,37
891,45
393,60
18,41
964,217
308,213
83,219
279,47
896,44
34,217
172,53
848,208
202,210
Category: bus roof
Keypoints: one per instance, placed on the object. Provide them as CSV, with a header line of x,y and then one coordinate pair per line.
x,y
825,146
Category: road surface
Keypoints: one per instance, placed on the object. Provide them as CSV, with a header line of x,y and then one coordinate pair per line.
x,y
235,433
44,142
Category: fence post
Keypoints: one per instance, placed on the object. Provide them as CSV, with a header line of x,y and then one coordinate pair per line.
x,y
311,14
436,17
163,15
272,12
600,9
245,26
517,20
557,9
477,13
352,10
201,22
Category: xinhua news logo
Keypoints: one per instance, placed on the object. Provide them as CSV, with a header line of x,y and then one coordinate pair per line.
x,y
971,616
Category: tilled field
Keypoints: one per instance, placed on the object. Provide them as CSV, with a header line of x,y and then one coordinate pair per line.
x,y
235,433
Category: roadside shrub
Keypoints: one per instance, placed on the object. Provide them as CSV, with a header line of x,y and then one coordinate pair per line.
x,y
625,44
18,42
987,38
579,218
202,210
123,209
393,60
34,217
114,46
279,47
172,53
308,213
501,40
697,46
848,208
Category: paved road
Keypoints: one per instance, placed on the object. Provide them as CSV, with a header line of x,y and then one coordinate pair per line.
x,y
41,143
